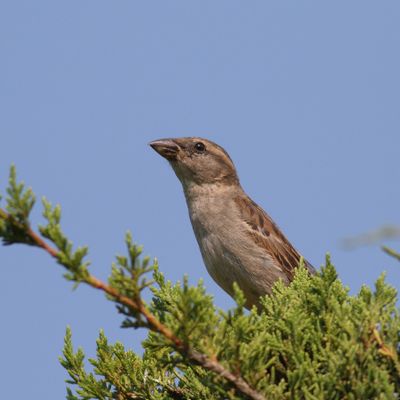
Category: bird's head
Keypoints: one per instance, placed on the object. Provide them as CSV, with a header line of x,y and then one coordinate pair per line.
x,y
197,161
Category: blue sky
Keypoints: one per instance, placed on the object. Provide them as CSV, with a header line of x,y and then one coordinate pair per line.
x,y
304,95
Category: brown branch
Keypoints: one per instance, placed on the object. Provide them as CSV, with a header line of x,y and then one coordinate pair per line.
x,y
155,325
385,350
41,243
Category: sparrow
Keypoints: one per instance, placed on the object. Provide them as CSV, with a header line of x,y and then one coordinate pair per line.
x,y
238,240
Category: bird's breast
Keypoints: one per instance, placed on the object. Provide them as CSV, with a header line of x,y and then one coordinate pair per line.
x,y
227,250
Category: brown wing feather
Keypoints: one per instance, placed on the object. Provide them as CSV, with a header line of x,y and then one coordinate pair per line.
x,y
268,236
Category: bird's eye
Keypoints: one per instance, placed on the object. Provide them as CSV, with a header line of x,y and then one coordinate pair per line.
x,y
200,147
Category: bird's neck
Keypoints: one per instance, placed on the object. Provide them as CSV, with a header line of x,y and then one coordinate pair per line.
x,y
208,191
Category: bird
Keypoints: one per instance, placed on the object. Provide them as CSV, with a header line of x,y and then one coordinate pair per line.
x,y
238,240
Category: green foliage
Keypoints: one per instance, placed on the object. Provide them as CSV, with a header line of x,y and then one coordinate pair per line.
x,y
19,201
186,309
19,204
72,261
117,373
310,340
128,277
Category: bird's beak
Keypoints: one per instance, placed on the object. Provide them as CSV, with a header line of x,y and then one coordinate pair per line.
x,y
167,148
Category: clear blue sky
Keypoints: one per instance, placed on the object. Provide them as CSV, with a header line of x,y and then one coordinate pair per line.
x,y
304,95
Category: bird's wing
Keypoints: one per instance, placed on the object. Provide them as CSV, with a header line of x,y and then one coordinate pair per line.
x,y
267,235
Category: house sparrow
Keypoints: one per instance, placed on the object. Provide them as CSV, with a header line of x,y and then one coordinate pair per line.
x,y
238,240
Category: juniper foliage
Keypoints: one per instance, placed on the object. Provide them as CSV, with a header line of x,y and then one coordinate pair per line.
x,y
311,340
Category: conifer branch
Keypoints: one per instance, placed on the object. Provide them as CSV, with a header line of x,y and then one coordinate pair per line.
x,y
311,339
137,306
391,252
32,237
